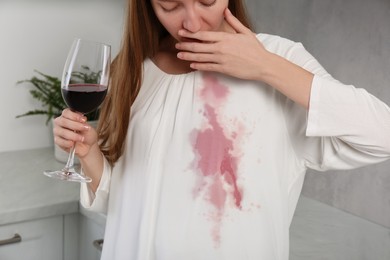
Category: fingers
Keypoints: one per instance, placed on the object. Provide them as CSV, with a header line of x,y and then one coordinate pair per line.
x,y
67,134
198,57
202,36
63,143
235,23
75,116
196,47
72,120
217,50
197,52
206,41
215,36
69,128
215,67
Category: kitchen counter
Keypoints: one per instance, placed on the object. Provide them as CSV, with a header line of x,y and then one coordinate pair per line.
x,y
27,194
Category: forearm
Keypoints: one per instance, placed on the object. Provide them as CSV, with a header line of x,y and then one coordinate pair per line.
x,y
288,78
92,165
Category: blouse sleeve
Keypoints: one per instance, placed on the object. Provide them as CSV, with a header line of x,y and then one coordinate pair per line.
x,y
97,201
345,127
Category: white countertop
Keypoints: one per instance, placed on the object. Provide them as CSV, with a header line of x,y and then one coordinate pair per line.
x,y
26,194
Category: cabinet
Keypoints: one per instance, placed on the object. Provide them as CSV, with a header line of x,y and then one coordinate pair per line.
x,y
44,212
67,237
41,239
91,233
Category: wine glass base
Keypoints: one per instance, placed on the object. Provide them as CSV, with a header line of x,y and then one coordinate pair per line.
x,y
67,175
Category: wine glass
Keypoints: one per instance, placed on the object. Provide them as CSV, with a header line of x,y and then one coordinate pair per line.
x,y
84,87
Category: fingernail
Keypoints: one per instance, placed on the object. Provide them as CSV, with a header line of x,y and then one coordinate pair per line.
x,y
86,127
83,119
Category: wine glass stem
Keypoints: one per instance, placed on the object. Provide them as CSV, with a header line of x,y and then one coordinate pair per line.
x,y
69,164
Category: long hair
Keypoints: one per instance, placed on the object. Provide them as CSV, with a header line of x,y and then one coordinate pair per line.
x,y
142,35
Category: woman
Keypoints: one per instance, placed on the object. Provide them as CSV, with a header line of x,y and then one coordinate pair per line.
x,y
207,132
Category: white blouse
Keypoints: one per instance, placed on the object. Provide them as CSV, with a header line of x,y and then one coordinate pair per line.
x,y
213,165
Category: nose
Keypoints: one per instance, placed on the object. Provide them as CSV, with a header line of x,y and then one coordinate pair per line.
x,y
192,21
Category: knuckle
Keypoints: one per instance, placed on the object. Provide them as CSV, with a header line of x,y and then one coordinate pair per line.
x,y
56,121
60,132
192,47
210,66
67,144
220,47
200,34
55,131
65,112
63,144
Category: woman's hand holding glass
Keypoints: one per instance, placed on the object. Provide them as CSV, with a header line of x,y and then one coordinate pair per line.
x,y
71,128
84,86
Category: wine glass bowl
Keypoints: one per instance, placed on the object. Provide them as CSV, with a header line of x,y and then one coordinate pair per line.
x,y
84,86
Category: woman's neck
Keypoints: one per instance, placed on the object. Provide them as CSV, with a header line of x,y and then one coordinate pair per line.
x,y
166,58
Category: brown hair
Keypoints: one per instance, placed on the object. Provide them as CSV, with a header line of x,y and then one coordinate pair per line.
x,y
142,35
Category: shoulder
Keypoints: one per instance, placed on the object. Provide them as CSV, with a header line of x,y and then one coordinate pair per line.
x,y
277,44
149,66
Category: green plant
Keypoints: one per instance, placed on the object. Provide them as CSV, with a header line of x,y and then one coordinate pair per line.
x,y
47,90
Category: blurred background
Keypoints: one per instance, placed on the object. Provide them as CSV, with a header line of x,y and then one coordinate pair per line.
x,y
37,35
351,39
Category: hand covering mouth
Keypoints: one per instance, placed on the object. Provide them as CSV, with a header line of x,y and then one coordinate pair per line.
x,y
185,39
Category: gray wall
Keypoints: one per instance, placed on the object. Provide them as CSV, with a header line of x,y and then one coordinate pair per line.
x,y
351,39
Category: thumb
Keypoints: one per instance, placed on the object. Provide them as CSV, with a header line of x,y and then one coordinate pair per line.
x,y
234,22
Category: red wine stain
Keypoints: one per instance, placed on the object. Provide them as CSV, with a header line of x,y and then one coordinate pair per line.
x,y
215,159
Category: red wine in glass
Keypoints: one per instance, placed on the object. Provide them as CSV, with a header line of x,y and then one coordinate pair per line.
x,y
84,87
84,98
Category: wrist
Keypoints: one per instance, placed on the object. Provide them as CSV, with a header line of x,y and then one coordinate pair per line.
x,y
92,165
90,155
270,68
288,78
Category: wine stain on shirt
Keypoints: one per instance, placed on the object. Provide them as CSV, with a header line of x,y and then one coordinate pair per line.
x,y
215,159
